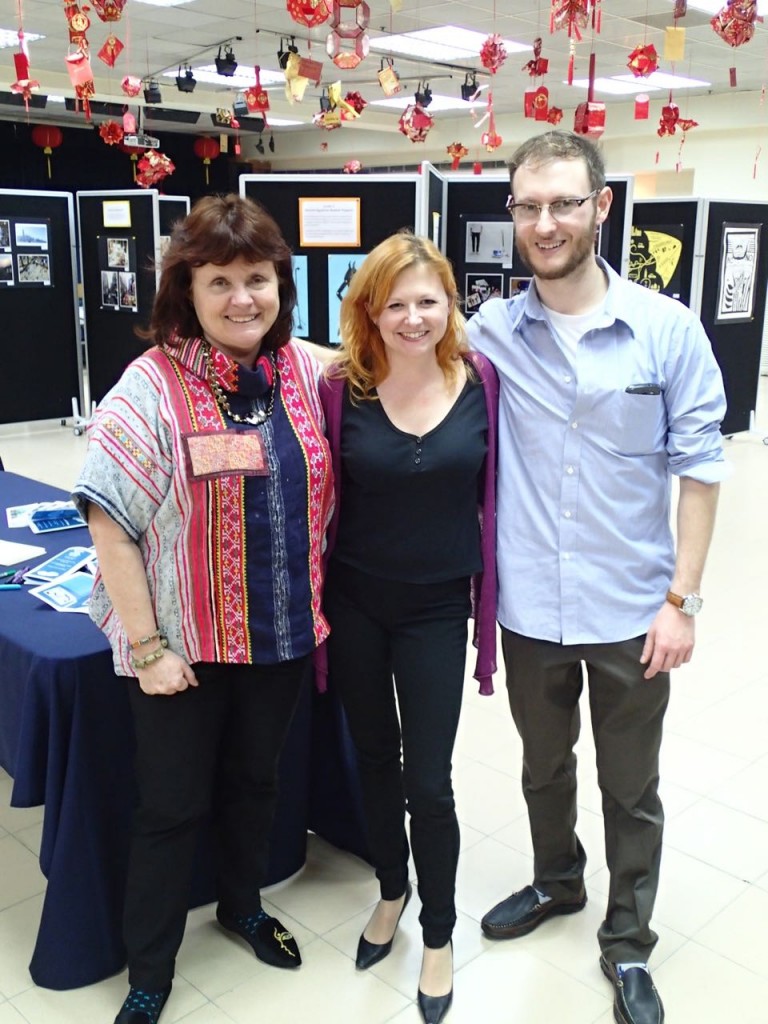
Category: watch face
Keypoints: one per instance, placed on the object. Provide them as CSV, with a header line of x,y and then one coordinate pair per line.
x,y
692,604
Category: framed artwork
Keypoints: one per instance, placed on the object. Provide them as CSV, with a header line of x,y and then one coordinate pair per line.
x,y
33,268
738,272
488,240
5,234
6,270
480,287
32,234
341,270
117,253
301,312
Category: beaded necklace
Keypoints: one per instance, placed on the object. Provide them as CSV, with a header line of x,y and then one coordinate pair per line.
x,y
255,416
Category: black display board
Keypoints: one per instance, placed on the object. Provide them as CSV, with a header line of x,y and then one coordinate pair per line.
x,y
387,204
662,246
736,333
118,278
38,309
477,205
172,209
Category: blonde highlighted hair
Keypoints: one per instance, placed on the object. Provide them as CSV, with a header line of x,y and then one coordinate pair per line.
x,y
363,356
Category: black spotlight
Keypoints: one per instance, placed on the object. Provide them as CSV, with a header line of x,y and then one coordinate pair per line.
x,y
260,145
284,53
187,81
423,94
469,89
152,92
271,143
226,65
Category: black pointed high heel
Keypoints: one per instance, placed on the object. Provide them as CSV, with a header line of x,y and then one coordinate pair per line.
x,y
434,1008
370,953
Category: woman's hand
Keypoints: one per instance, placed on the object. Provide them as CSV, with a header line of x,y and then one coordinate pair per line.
x,y
166,676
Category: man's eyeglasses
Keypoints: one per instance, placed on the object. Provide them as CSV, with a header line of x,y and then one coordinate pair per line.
x,y
560,209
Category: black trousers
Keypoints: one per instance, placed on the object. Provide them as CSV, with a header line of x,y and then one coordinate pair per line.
x,y
416,635
209,749
544,682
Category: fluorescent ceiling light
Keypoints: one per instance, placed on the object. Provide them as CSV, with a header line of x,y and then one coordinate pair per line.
x,y
10,37
242,78
662,80
55,99
402,100
446,43
617,87
164,3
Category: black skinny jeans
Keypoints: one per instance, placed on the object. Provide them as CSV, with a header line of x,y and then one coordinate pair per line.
x,y
416,633
212,748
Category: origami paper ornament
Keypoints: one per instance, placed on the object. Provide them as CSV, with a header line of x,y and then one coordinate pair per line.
x,y
735,23
131,85
415,123
152,168
590,116
309,13
352,167
554,115
108,10
24,85
571,15
538,65
493,53
643,61
348,29
111,133
456,151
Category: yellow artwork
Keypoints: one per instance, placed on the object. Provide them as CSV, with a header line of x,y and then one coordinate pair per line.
x,y
653,258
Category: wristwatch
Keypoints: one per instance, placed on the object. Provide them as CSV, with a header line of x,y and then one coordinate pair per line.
x,y
688,605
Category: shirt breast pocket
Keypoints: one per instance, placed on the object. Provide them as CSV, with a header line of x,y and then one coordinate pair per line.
x,y
640,423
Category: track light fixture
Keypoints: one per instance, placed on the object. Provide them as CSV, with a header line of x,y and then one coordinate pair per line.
x,y
186,82
285,51
423,94
152,91
271,143
260,145
226,65
470,87
240,106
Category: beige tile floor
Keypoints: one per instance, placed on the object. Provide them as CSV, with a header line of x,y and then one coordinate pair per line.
x,y
711,964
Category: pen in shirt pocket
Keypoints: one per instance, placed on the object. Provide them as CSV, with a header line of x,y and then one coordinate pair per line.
x,y
643,389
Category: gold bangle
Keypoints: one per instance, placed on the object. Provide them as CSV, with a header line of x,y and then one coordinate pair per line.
x,y
135,644
156,655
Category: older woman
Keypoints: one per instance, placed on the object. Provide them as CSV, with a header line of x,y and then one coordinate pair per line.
x,y
411,421
207,489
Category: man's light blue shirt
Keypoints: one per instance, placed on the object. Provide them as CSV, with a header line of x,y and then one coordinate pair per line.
x,y
585,547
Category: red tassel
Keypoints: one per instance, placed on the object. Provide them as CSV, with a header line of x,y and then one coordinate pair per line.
x,y
732,77
591,89
571,62
757,157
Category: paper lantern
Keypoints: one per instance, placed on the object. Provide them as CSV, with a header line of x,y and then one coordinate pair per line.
x,y
415,123
590,119
48,137
206,149
735,23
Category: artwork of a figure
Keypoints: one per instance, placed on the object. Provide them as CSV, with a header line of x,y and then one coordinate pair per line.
x,y
475,231
348,275
738,264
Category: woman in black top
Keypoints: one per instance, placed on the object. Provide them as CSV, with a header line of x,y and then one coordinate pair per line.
x,y
408,423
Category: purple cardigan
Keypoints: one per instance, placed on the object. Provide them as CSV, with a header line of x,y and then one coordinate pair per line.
x,y
484,582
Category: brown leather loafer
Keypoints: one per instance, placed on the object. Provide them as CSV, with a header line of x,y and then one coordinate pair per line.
x,y
523,911
636,1000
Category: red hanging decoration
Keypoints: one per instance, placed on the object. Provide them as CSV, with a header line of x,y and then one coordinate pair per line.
x,y
48,137
590,116
256,96
572,15
554,115
206,149
309,13
493,53
131,85
415,123
536,103
108,10
456,151
670,120
735,23
23,85
111,50
352,167
538,65
111,133
344,29
356,101
642,106
152,168
643,61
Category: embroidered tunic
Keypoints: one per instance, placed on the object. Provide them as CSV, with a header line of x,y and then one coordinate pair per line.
x,y
229,517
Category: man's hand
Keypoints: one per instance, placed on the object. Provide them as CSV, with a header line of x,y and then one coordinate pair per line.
x,y
670,640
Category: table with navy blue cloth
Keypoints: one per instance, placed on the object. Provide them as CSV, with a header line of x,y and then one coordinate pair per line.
x,y
66,739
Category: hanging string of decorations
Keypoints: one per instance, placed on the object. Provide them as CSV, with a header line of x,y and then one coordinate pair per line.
x,y
349,20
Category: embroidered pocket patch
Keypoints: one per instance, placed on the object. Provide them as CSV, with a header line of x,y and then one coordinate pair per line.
x,y
225,453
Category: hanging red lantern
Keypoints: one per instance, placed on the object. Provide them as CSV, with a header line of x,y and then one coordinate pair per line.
x,y
309,13
456,151
48,137
206,149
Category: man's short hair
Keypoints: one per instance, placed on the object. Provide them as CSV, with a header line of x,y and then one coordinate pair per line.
x,y
559,145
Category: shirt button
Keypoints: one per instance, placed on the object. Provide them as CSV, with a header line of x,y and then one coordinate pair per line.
x,y
574,425
418,451
567,515
567,380
417,460
569,470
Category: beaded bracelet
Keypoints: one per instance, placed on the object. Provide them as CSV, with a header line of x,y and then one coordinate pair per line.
x,y
156,655
135,644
